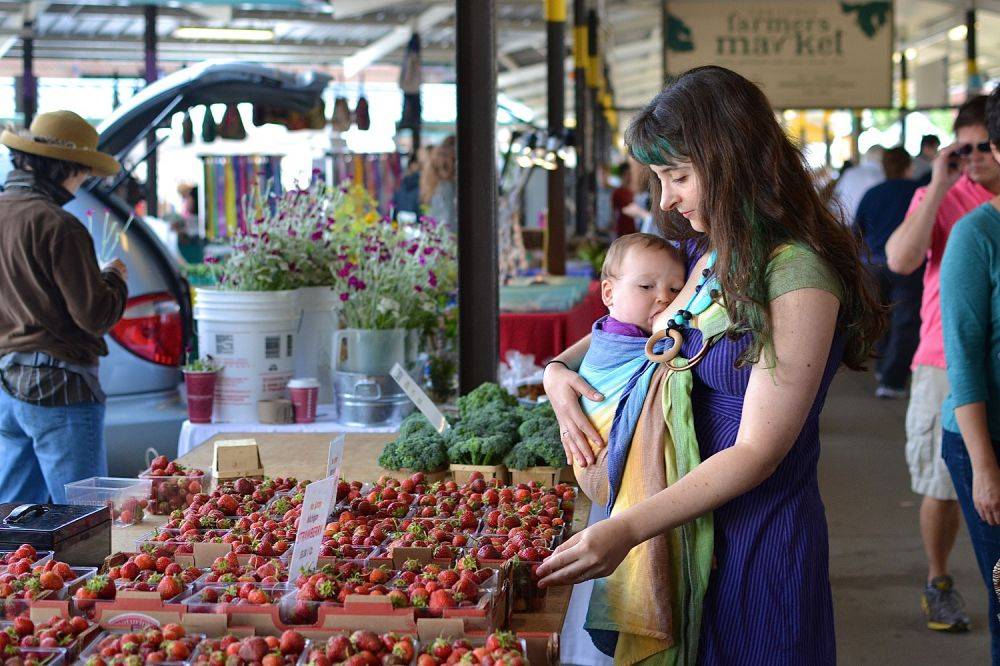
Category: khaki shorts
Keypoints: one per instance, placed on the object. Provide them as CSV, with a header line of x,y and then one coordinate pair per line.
x,y
928,474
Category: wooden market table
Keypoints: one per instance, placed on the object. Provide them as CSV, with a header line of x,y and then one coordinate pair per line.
x,y
303,456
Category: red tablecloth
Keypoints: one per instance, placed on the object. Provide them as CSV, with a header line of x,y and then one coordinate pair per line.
x,y
545,334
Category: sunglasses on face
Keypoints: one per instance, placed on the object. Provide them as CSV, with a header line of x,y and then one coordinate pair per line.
x,y
966,148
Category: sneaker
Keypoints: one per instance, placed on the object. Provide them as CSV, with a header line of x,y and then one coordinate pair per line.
x,y
886,393
944,607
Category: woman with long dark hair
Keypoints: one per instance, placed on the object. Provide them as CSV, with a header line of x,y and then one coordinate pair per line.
x,y
760,244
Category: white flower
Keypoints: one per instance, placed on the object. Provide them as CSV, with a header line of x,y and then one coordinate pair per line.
x,y
388,306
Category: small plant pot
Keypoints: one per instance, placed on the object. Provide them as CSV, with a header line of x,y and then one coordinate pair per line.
x,y
200,395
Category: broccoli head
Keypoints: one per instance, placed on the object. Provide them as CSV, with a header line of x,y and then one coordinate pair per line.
x,y
414,423
540,427
536,452
421,451
480,450
484,395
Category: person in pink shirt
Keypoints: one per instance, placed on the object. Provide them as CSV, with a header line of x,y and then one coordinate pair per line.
x,y
964,175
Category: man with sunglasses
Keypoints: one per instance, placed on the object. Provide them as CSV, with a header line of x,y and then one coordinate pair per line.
x,y
964,175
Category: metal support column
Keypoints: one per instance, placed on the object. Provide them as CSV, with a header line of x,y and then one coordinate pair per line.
x,y
150,42
29,84
555,25
594,114
904,96
664,39
582,111
974,82
478,264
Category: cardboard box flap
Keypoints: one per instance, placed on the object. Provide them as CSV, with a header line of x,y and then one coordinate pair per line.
x,y
207,552
363,603
430,628
401,554
210,624
236,457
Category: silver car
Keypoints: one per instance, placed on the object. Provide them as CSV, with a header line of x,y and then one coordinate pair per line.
x,y
141,373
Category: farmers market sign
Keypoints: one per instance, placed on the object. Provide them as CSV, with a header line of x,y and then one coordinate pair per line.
x,y
803,53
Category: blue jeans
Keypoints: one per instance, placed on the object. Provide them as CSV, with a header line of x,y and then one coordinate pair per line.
x,y
43,448
985,538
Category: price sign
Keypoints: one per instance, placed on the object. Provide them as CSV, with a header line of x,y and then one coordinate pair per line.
x,y
335,457
419,398
316,506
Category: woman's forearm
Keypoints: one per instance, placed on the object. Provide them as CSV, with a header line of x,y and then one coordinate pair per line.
x,y
573,356
720,478
976,434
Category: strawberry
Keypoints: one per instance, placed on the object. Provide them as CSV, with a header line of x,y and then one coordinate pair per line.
x,y
467,588
291,642
366,640
169,587
338,648
501,640
23,626
441,649
51,581
442,599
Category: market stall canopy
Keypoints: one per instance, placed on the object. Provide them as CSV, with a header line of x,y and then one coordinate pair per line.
x,y
213,82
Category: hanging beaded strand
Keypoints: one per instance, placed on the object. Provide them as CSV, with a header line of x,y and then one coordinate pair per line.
x,y
705,292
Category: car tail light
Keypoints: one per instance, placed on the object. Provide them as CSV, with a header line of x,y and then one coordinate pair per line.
x,y
151,328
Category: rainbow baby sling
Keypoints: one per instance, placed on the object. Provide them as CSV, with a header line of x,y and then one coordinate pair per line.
x,y
649,610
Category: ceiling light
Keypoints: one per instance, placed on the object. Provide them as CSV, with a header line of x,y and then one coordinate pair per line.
x,y
224,34
958,33
910,54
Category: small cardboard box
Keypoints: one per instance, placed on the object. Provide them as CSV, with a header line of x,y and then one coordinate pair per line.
x,y
403,474
463,473
547,477
236,458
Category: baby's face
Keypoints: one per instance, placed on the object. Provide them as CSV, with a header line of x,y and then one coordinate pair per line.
x,y
647,282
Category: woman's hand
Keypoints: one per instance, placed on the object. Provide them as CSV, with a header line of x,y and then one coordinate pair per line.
x,y
593,553
986,494
564,388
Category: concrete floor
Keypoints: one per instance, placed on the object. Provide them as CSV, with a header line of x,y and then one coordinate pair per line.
x,y
877,563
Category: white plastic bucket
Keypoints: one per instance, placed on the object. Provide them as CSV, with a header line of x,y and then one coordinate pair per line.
x,y
315,339
252,334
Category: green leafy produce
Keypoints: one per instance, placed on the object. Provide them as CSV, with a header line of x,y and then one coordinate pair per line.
x,y
420,449
480,450
484,395
536,452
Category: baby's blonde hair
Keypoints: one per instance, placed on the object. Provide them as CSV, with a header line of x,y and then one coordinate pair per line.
x,y
616,253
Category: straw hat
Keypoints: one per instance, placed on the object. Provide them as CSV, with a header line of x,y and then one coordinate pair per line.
x,y
64,136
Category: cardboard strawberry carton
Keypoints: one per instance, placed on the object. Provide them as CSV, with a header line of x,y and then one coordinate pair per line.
x,y
34,656
172,645
450,642
230,650
56,632
229,598
364,647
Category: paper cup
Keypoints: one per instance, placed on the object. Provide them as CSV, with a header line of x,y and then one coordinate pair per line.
x,y
305,393
200,395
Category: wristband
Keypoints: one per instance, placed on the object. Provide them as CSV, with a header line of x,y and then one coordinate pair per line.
x,y
562,363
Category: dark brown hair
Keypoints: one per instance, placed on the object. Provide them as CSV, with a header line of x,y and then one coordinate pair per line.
x,y
49,168
993,117
971,113
895,162
756,195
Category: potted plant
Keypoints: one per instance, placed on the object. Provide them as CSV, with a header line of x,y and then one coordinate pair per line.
x,y
250,321
199,379
391,278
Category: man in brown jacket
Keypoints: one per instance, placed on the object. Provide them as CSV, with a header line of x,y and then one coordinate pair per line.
x,y
56,304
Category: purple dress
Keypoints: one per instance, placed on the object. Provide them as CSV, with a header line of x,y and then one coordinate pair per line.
x,y
769,600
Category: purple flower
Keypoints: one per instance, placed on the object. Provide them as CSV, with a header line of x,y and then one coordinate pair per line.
x,y
292,233
316,235
345,271
353,282
417,288
211,260
432,279
344,296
